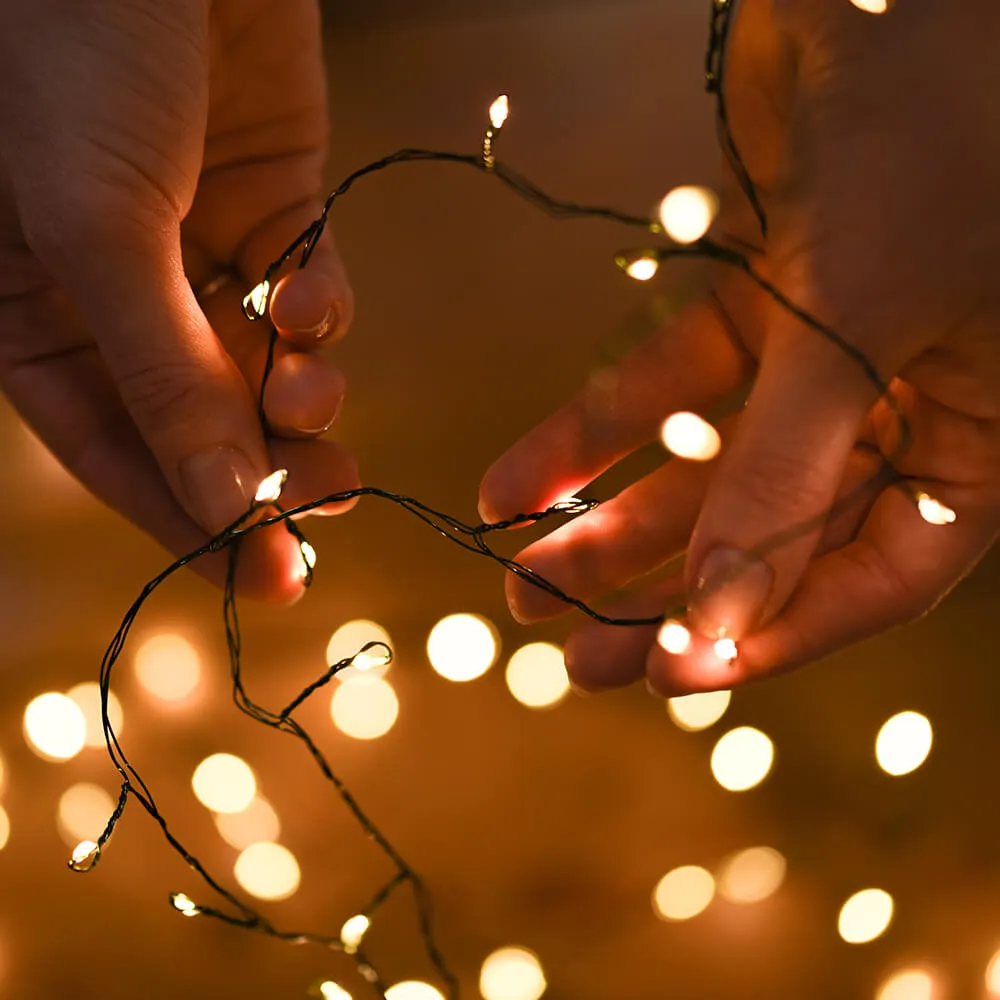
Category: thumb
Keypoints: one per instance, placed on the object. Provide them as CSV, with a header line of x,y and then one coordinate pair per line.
x,y
188,400
765,508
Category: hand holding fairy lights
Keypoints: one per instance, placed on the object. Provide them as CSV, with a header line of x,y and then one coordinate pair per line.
x,y
864,189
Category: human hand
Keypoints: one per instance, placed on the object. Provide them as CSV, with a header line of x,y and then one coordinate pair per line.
x,y
144,148
873,145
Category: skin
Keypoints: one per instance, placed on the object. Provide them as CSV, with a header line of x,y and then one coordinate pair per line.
x,y
126,181
873,143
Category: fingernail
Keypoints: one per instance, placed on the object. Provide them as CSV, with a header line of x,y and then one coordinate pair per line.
x,y
220,484
578,691
326,326
652,690
325,426
730,592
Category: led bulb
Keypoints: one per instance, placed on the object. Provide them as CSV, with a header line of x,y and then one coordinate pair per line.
x,y
353,931
308,554
725,649
255,302
872,6
185,904
499,110
329,990
674,637
687,212
933,511
865,916
271,487
643,268
85,855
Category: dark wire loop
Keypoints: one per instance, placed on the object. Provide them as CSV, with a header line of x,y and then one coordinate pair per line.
x,y
472,537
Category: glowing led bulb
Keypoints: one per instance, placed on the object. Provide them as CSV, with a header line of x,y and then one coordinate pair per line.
x,y
910,984
872,6
725,649
687,435
85,855
499,110
308,554
751,875
350,639
642,268
698,711
224,783
462,647
83,812
88,698
687,212
268,871
865,916
54,726
353,931
512,974
683,893
903,743
993,976
413,989
364,707
742,759
271,486
185,904
257,822
674,637
331,991
536,675
933,511
255,302
4,828
168,667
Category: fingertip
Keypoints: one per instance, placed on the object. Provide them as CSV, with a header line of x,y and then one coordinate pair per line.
x,y
310,307
304,395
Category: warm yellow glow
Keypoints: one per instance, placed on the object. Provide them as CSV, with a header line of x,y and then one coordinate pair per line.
x,y
687,212
512,974
683,893
933,511
725,649
88,698
865,916
224,783
331,991
462,647
642,268
54,726
536,675
742,758
257,822
268,871
903,743
84,810
308,554
271,486
872,6
687,435
993,975
85,855
698,711
256,300
364,707
751,875
413,989
4,828
3,773
674,637
499,110
910,984
349,639
353,931
185,904
168,666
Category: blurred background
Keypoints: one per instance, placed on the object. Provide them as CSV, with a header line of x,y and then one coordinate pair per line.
x,y
560,830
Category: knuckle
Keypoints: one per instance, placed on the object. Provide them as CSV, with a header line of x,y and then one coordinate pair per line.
x,y
903,599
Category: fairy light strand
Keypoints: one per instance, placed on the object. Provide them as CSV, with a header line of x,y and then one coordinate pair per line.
x,y
472,537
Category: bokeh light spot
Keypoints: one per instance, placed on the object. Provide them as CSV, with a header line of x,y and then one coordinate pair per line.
x,y
84,810
364,708
54,726
689,436
903,743
536,675
752,875
258,821
462,647
865,916
910,984
224,783
4,828
168,666
687,212
694,712
683,893
88,698
742,758
413,989
268,871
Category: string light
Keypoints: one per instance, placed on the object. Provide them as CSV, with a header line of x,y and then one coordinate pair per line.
x,y
686,213
512,974
725,649
184,904
224,783
933,511
694,712
742,759
271,486
499,110
683,893
752,875
462,647
910,984
84,856
353,931
689,436
865,916
54,726
674,637
167,666
536,675
349,638
903,743
640,264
